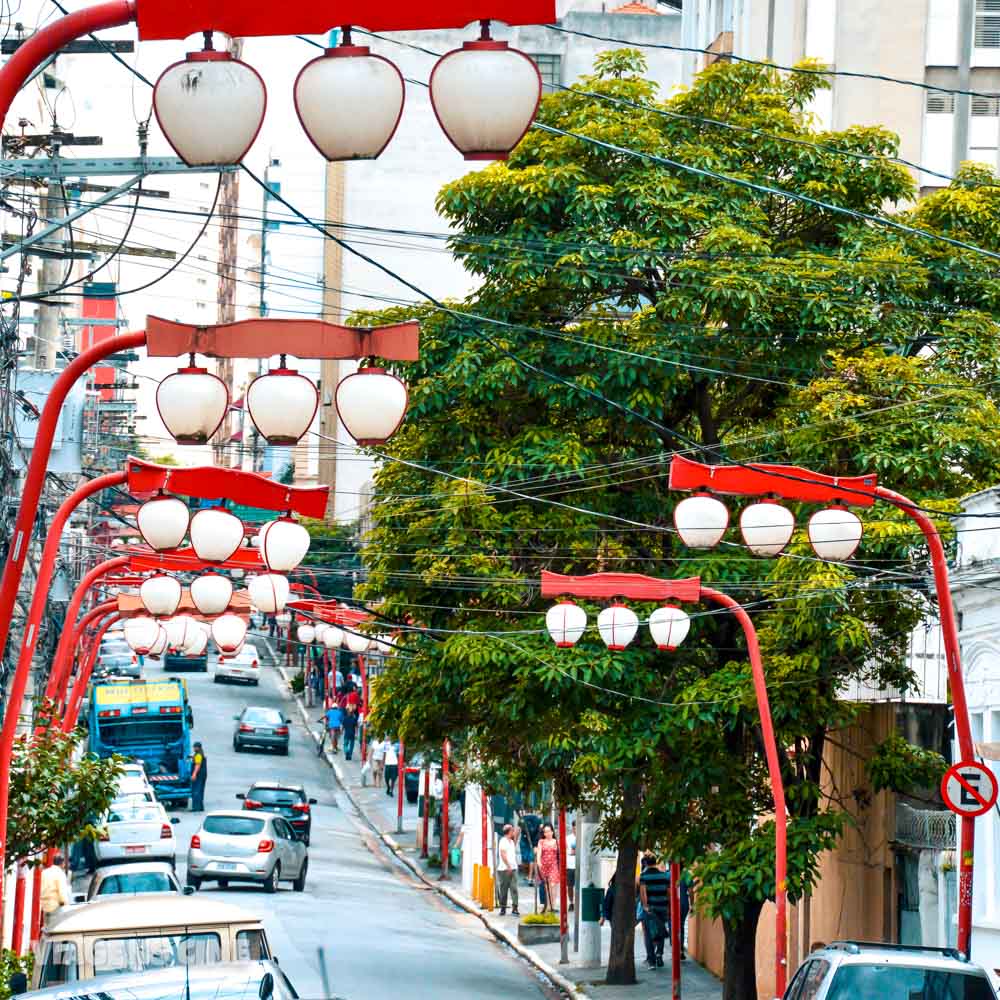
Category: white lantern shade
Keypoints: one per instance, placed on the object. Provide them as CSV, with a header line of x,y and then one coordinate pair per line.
x,y
766,527
163,522
282,405
216,534
306,634
141,633
283,618
701,521
283,544
229,632
384,644
231,654
159,647
211,593
197,643
357,642
333,637
210,108
192,404
835,533
318,629
269,592
485,96
669,626
160,594
618,625
371,404
566,622
180,631
349,102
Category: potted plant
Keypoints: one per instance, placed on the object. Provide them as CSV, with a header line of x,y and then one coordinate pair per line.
x,y
538,928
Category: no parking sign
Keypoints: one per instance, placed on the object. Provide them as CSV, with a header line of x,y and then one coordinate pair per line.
x,y
969,788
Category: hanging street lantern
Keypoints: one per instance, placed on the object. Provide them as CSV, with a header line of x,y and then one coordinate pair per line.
x,y
210,107
229,632
283,544
306,634
566,622
160,594
356,642
282,404
319,628
211,593
181,630
617,625
701,521
349,101
216,534
269,592
163,522
141,633
835,533
333,637
197,643
159,647
371,404
766,527
669,626
384,644
283,618
192,404
485,96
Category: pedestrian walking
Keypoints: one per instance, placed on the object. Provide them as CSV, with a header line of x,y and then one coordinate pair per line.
x,y
654,894
378,763
571,865
507,863
54,893
391,766
199,775
608,902
349,724
334,718
547,866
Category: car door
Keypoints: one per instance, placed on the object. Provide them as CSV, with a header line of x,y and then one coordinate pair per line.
x,y
292,848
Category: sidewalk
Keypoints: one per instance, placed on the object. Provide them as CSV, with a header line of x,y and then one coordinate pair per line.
x,y
380,811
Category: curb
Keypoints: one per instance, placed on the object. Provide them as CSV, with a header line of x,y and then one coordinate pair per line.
x,y
567,986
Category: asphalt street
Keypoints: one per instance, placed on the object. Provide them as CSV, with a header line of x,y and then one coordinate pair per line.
x,y
383,934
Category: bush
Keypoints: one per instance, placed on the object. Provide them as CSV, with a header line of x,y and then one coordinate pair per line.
x,y
434,861
11,963
298,684
540,918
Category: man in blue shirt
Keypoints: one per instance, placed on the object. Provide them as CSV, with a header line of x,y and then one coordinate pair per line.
x,y
334,718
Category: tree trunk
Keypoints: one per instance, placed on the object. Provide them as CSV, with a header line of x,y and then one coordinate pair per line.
x,y
621,961
739,981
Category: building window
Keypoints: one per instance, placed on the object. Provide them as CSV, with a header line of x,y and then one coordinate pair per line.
x,y
987,31
550,68
940,104
984,130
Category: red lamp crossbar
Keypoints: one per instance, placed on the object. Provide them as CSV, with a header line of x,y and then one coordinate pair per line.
x,y
632,585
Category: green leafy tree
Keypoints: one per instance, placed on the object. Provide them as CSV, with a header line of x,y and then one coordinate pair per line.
x,y
333,563
718,321
56,796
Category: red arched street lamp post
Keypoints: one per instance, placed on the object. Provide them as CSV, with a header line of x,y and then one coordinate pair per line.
x,y
794,483
645,588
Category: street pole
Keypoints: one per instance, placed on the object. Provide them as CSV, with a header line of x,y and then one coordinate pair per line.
x,y
17,936
676,931
400,782
78,632
72,713
51,277
363,661
446,746
588,877
563,893
425,779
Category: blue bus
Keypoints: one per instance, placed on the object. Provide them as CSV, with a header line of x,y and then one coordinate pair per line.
x,y
146,721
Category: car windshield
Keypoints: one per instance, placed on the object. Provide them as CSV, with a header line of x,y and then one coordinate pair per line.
x,y
135,882
133,813
233,826
275,796
265,716
160,951
907,983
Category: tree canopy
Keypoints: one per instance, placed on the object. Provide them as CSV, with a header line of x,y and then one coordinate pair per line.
x,y
628,311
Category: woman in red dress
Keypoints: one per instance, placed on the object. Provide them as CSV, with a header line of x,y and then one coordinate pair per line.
x,y
547,865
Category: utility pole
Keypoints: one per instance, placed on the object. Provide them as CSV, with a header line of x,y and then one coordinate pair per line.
x,y
51,277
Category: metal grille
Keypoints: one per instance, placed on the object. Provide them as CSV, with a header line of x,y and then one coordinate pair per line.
x,y
987,35
550,68
931,829
986,107
940,104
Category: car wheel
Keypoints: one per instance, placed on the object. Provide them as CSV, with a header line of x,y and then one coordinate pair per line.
x,y
271,885
283,751
305,839
255,682
300,883
194,882
217,679
223,883
236,746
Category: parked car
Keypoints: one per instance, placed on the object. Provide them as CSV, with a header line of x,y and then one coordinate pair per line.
x,y
140,933
265,728
412,779
245,666
115,880
247,847
286,800
134,771
857,970
117,665
131,786
136,831
262,980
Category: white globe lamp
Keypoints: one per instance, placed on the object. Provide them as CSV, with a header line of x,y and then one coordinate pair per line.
x,y
617,625
835,533
669,626
163,522
701,521
211,593
371,404
269,592
566,623
192,404
160,594
282,405
216,534
283,544
229,632
766,527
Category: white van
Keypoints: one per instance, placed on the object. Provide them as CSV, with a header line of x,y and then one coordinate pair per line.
x,y
136,933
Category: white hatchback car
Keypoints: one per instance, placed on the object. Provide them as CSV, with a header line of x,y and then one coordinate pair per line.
x,y
245,666
136,831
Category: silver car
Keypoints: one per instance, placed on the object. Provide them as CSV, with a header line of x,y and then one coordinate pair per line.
x,y
136,831
859,970
247,847
115,880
